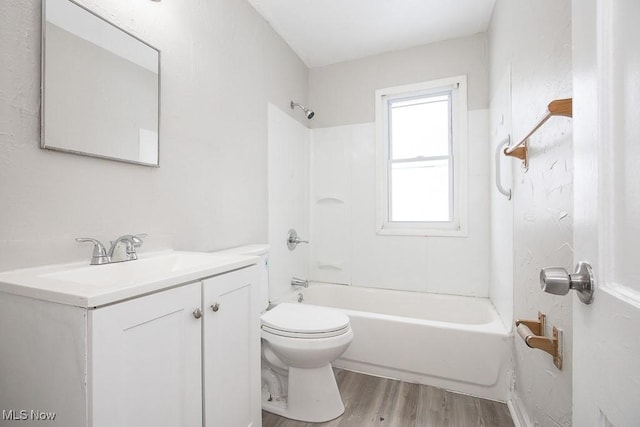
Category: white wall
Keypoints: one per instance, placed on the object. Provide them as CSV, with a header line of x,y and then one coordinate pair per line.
x,y
344,244
343,93
288,199
221,64
533,39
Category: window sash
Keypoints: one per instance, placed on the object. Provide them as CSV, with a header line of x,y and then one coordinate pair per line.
x,y
406,101
429,200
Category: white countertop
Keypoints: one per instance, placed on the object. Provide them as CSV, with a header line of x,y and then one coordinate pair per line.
x,y
88,286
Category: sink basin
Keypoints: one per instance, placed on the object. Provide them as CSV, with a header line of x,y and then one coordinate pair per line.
x,y
90,286
141,270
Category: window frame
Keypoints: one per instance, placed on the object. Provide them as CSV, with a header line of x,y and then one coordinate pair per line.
x,y
458,170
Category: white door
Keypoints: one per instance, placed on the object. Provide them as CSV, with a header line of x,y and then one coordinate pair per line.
x,y
145,361
606,111
231,350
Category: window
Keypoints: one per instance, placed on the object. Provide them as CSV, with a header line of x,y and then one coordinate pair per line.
x,y
422,158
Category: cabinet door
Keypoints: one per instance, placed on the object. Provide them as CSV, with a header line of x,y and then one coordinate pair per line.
x,y
145,361
231,350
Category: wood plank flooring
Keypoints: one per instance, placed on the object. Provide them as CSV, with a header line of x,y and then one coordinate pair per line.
x,y
373,401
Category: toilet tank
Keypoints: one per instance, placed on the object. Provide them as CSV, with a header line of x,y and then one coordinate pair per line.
x,y
261,251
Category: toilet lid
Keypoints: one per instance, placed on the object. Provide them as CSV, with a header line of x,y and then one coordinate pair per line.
x,y
304,319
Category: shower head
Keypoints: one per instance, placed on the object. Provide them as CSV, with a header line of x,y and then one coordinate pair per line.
x,y
307,112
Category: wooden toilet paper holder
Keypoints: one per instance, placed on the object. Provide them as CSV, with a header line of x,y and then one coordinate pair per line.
x,y
532,332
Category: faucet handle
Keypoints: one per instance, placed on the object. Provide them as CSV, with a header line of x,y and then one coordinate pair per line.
x,y
99,255
293,240
136,239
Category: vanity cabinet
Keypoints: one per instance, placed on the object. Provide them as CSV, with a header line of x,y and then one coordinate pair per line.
x,y
146,360
184,356
231,351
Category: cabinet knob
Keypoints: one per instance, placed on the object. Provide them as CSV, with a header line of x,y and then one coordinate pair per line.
x,y
215,306
197,313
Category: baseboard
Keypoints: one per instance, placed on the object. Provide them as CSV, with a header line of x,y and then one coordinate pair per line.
x,y
518,411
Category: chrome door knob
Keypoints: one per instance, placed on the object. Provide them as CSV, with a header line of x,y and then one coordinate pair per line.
x,y
558,281
555,280
197,313
215,306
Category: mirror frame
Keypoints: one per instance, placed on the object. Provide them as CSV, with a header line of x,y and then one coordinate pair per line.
x,y
43,144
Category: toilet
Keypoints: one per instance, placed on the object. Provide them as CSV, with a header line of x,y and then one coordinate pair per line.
x,y
299,342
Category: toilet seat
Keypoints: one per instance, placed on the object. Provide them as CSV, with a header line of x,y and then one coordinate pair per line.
x,y
300,335
304,321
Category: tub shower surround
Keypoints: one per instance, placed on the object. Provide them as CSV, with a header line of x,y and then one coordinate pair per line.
x,y
345,248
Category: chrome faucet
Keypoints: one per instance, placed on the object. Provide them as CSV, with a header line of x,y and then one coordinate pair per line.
x,y
295,281
122,249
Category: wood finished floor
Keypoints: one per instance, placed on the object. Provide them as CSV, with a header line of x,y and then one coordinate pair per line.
x,y
373,401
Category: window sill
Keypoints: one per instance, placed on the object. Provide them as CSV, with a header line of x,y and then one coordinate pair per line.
x,y
421,232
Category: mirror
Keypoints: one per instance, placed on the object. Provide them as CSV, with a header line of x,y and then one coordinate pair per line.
x,y
100,87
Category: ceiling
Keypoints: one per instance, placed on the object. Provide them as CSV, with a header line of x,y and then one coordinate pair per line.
x,y
325,32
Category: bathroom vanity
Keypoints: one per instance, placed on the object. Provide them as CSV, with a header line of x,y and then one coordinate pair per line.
x,y
171,339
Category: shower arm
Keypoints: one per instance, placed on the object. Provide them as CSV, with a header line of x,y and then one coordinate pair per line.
x,y
307,112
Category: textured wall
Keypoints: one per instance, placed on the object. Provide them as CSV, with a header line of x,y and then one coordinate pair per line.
x,y
221,64
534,39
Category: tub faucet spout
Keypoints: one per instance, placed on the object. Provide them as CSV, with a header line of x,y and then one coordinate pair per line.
x,y
295,281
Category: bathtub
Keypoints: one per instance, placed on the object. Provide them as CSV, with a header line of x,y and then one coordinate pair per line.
x,y
451,342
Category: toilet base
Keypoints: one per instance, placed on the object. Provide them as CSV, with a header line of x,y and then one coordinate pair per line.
x,y
313,396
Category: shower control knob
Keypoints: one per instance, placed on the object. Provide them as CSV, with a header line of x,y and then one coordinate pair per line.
x,y
293,240
558,281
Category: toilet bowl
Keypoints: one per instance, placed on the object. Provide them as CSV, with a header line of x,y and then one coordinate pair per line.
x,y
299,342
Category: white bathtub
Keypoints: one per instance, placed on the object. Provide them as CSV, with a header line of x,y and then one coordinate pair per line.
x,y
451,342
